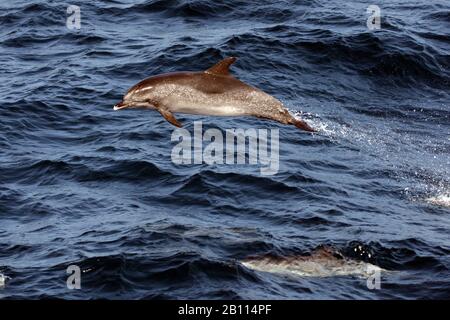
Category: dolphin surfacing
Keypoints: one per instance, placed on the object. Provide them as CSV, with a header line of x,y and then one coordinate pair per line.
x,y
324,262
212,92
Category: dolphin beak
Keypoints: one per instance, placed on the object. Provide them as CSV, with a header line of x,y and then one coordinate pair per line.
x,y
120,105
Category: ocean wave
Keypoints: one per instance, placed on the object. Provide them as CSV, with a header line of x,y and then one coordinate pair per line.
x,y
386,55
51,171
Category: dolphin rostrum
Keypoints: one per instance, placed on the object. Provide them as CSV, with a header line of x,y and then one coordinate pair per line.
x,y
212,92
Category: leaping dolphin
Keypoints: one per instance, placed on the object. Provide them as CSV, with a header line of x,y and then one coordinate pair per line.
x,y
212,92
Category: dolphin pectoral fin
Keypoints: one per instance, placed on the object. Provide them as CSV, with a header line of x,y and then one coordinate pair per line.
x,y
169,117
222,68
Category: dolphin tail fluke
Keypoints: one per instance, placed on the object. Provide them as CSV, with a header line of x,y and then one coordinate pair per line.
x,y
302,125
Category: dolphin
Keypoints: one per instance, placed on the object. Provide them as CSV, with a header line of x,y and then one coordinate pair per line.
x,y
323,262
213,92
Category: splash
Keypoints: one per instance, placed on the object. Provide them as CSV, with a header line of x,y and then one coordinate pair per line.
x,y
442,200
429,189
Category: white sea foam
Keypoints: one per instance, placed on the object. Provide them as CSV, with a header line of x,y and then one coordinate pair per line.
x,y
413,159
440,200
322,126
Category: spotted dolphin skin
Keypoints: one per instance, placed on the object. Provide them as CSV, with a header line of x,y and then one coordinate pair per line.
x,y
213,92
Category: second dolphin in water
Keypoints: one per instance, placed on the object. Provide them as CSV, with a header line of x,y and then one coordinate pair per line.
x,y
212,92
324,262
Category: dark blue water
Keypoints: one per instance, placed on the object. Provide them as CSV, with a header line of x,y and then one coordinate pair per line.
x,y
81,184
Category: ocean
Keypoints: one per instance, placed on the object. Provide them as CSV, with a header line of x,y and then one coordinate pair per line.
x,y
84,186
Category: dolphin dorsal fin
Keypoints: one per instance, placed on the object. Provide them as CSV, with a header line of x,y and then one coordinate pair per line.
x,y
222,68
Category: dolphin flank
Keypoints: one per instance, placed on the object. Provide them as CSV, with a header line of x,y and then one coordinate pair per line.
x,y
212,92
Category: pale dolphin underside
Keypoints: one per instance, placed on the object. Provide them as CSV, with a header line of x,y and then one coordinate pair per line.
x,y
212,92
